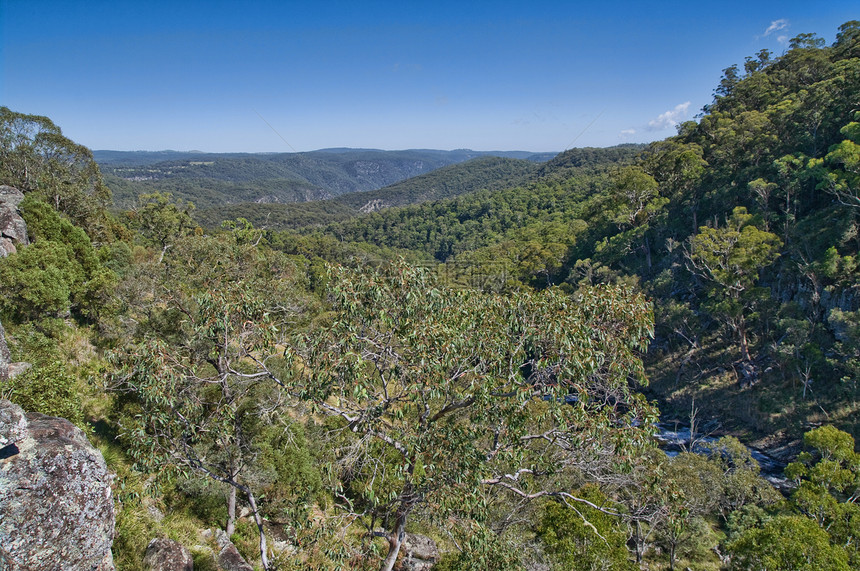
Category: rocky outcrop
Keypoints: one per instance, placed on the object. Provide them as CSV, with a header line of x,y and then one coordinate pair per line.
x,y
56,510
13,229
373,206
164,554
228,557
421,553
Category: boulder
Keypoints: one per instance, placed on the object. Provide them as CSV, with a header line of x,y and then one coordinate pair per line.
x,y
56,510
228,557
420,552
13,229
10,195
164,554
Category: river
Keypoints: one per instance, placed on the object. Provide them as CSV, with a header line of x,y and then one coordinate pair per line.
x,y
675,438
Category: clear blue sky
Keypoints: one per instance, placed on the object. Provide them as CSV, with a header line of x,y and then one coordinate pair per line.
x,y
540,76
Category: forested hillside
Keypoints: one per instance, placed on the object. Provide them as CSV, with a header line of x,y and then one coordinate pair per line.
x,y
742,229
452,180
483,374
211,180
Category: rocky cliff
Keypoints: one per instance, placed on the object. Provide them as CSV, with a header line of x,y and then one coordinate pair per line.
x,y
13,230
56,509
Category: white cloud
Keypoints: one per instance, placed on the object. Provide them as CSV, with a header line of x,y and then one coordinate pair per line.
x,y
626,133
782,39
776,26
669,118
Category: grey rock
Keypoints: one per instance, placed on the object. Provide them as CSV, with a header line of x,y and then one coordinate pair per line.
x,y
164,554
11,195
156,514
13,229
152,509
56,510
13,424
420,552
18,368
228,557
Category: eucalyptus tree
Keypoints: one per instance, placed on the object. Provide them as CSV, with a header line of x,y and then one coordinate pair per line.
x,y
214,316
637,203
729,259
827,474
37,158
160,220
450,395
842,178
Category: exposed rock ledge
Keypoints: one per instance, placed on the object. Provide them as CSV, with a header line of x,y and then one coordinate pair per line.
x,y
56,510
13,229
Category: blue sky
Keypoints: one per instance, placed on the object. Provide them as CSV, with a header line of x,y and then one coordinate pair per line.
x,y
284,76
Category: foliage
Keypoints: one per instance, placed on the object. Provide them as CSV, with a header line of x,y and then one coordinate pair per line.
x,y
196,402
778,141
599,544
787,542
59,272
480,549
159,220
731,258
840,168
357,401
447,390
48,390
828,477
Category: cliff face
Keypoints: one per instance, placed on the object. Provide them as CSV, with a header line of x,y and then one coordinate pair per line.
x,y
56,509
13,229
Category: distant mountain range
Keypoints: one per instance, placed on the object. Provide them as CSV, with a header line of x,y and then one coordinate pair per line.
x,y
488,173
217,179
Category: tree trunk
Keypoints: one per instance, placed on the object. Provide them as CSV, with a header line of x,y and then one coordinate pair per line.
x,y
231,512
264,558
745,348
647,247
395,540
672,556
640,542
695,218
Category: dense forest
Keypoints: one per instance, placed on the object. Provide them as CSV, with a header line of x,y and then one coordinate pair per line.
x,y
480,356
212,180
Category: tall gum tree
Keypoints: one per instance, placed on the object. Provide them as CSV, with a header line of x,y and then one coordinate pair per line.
x,y
37,158
450,394
729,259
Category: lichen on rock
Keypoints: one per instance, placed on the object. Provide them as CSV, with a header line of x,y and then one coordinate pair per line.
x,y
56,509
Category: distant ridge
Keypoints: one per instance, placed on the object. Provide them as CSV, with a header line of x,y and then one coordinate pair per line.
x,y
215,179
486,173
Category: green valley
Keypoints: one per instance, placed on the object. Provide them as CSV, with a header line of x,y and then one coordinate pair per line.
x,y
360,359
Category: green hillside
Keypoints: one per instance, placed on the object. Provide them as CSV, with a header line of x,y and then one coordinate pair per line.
x,y
452,180
762,335
210,180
